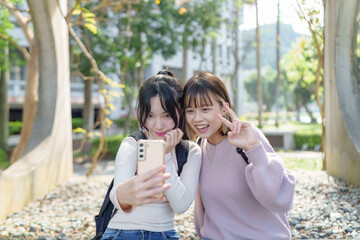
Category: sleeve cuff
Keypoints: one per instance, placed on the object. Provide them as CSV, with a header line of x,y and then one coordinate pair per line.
x,y
257,155
115,201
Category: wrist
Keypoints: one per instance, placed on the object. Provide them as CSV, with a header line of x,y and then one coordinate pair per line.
x,y
252,146
126,207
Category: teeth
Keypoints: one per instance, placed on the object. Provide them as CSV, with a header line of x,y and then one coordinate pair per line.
x,y
202,127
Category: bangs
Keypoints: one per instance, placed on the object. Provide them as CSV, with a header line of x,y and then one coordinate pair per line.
x,y
197,96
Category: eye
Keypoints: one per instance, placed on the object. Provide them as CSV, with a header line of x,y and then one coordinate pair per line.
x,y
167,115
150,115
189,111
205,109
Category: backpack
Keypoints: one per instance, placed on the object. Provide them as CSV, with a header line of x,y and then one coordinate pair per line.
x,y
238,150
108,210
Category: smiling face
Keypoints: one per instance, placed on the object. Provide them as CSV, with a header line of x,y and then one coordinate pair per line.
x,y
203,119
203,96
158,121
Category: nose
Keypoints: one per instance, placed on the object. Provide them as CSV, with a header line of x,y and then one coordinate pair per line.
x,y
158,123
198,116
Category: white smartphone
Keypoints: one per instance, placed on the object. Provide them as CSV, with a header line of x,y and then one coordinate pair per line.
x,y
150,154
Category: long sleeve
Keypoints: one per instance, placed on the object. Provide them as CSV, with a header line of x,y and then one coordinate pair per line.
x,y
199,212
159,216
271,184
125,167
241,200
183,189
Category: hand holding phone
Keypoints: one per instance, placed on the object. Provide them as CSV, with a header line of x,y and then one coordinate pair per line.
x,y
139,189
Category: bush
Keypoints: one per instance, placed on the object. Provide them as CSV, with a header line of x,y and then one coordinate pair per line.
x,y
77,123
15,127
310,138
133,124
113,145
4,161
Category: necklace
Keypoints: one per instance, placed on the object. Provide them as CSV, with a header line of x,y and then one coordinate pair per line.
x,y
212,155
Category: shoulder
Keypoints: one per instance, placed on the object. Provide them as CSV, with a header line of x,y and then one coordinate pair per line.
x,y
193,145
194,148
128,142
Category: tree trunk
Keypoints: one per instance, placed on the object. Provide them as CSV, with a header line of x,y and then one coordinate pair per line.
x,y
235,74
202,53
277,87
47,157
258,64
213,55
342,97
309,112
128,101
185,53
88,108
4,105
30,103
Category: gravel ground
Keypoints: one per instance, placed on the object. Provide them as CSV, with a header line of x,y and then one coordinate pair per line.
x,y
324,207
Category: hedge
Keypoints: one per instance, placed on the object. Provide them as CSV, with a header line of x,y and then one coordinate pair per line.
x,y
133,124
77,123
15,126
4,161
112,147
309,138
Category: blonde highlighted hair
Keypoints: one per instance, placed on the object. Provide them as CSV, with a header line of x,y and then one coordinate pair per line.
x,y
197,92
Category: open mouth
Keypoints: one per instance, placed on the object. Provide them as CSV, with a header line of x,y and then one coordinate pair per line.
x,y
202,128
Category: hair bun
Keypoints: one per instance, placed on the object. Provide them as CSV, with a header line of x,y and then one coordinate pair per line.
x,y
166,72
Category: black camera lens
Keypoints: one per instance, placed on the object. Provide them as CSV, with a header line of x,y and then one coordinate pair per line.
x,y
141,150
141,156
141,144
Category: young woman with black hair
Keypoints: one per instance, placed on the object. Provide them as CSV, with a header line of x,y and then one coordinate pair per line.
x,y
139,214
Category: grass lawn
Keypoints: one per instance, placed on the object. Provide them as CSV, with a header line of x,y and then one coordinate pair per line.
x,y
297,126
302,161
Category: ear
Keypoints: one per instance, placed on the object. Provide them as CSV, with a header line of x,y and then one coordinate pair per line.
x,y
223,111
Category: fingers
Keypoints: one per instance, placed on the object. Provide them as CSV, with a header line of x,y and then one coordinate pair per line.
x,y
152,194
226,122
154,181
180,134
140,190
230,111
151,173
237,125
172,138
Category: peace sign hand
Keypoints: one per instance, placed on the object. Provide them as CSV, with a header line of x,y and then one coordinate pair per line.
x,y
242,134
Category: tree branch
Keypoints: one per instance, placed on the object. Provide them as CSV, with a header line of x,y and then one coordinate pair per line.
x,y
21,19
23,50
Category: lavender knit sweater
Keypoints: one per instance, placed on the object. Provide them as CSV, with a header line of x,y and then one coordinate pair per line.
x,y
240,201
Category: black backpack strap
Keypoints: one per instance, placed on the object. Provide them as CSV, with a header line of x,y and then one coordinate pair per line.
x,y
106,213
107,198
138,135
182,151
198,141
241,152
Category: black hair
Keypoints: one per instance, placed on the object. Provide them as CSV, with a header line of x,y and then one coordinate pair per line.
x,y
169,89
